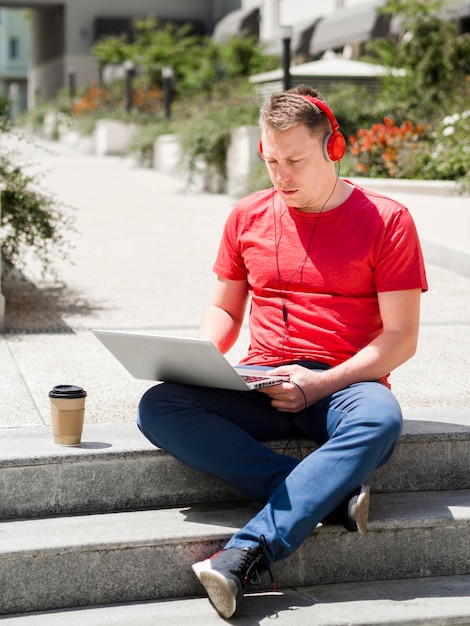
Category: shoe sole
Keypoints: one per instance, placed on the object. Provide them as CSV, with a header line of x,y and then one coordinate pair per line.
x,y
361,510
221,591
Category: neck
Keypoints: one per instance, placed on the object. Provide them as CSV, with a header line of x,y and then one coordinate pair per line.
x,y
338,193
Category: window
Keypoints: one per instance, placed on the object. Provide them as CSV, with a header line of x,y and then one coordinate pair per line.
x,y
13,48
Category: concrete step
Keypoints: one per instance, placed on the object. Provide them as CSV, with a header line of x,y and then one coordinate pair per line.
x,y
54,563
115,468
410,602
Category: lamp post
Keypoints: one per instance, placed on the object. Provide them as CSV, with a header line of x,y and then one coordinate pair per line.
x,y
129,70
286,35
71,76
167,80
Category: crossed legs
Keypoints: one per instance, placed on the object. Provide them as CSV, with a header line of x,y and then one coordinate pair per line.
x,y
221,433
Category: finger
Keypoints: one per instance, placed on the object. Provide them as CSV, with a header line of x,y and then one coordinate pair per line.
x,y
282,370
286,405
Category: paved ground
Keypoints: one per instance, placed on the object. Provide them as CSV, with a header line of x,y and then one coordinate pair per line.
x,y
142,255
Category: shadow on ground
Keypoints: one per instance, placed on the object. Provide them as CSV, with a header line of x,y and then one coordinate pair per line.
x,y
41,308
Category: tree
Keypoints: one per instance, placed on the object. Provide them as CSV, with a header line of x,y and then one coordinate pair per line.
x,y
157,46
431,51
113,50
198,63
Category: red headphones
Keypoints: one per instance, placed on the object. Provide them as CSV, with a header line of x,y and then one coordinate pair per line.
x,y
334,144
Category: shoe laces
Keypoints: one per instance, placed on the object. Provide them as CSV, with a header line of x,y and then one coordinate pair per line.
x,y
253,559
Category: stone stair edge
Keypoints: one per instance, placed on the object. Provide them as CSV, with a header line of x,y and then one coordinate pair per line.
x,y
410,601
117,469
212,522
404,542
34,445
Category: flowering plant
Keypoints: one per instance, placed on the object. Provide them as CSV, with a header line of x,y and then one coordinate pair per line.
x,y
94,99
450,156
380,148
147,100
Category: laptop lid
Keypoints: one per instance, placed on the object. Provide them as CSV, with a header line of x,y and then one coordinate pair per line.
x,y
180,360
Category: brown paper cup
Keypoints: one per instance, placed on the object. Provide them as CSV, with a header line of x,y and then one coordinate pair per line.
x,y
67,414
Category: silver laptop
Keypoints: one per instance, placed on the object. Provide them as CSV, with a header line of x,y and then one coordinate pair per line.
x,y
181,360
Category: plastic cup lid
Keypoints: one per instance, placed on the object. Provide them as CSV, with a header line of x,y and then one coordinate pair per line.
x,y
67,391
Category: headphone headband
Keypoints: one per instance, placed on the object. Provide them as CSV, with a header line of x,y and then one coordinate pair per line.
x,y
324,107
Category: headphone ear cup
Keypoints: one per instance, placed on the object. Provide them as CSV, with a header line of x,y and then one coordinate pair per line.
x,y
334,146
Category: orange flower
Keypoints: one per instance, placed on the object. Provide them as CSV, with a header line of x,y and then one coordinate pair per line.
x,y
378,149
91,101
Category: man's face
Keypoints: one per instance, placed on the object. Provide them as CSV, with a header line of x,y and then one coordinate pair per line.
x,y
297,167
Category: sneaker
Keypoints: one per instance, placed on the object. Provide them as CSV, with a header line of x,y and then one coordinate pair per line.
x,y
226,574
353,512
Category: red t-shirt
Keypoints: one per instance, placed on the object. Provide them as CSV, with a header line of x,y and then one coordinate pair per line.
x,y
324,269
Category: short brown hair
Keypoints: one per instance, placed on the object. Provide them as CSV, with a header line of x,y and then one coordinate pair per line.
x,y
283,111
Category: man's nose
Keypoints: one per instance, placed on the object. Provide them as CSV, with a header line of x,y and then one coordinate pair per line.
x,y
282,173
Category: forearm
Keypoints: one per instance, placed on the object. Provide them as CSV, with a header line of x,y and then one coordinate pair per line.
x,y
224,316
384,354
220,327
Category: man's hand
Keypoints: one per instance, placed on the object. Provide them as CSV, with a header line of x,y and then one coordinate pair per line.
x,y
303,388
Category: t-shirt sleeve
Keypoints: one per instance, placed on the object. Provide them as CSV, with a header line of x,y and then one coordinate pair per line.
x,y
229,262
400,264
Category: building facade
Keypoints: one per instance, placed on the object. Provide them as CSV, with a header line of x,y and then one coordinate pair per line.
x,y
14,58
63,31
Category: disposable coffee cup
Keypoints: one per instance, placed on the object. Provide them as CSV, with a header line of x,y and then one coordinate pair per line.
x,y
67,414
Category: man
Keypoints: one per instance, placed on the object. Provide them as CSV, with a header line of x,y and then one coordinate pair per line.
x,y
334,275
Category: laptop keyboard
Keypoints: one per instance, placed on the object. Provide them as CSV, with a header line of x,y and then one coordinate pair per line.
x,y
254,379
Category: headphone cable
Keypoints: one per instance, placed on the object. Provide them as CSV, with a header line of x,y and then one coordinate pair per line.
x,y
277,241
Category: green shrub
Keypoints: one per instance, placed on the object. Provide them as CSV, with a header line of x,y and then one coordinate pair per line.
x,y
356,106
205,138
31,220
142,143
4,106
447,156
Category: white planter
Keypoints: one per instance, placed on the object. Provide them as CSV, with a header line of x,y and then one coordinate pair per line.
x,y
166,154
112,138
242,155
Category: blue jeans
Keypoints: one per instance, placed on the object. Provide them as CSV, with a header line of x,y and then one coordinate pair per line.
x,y
220,432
